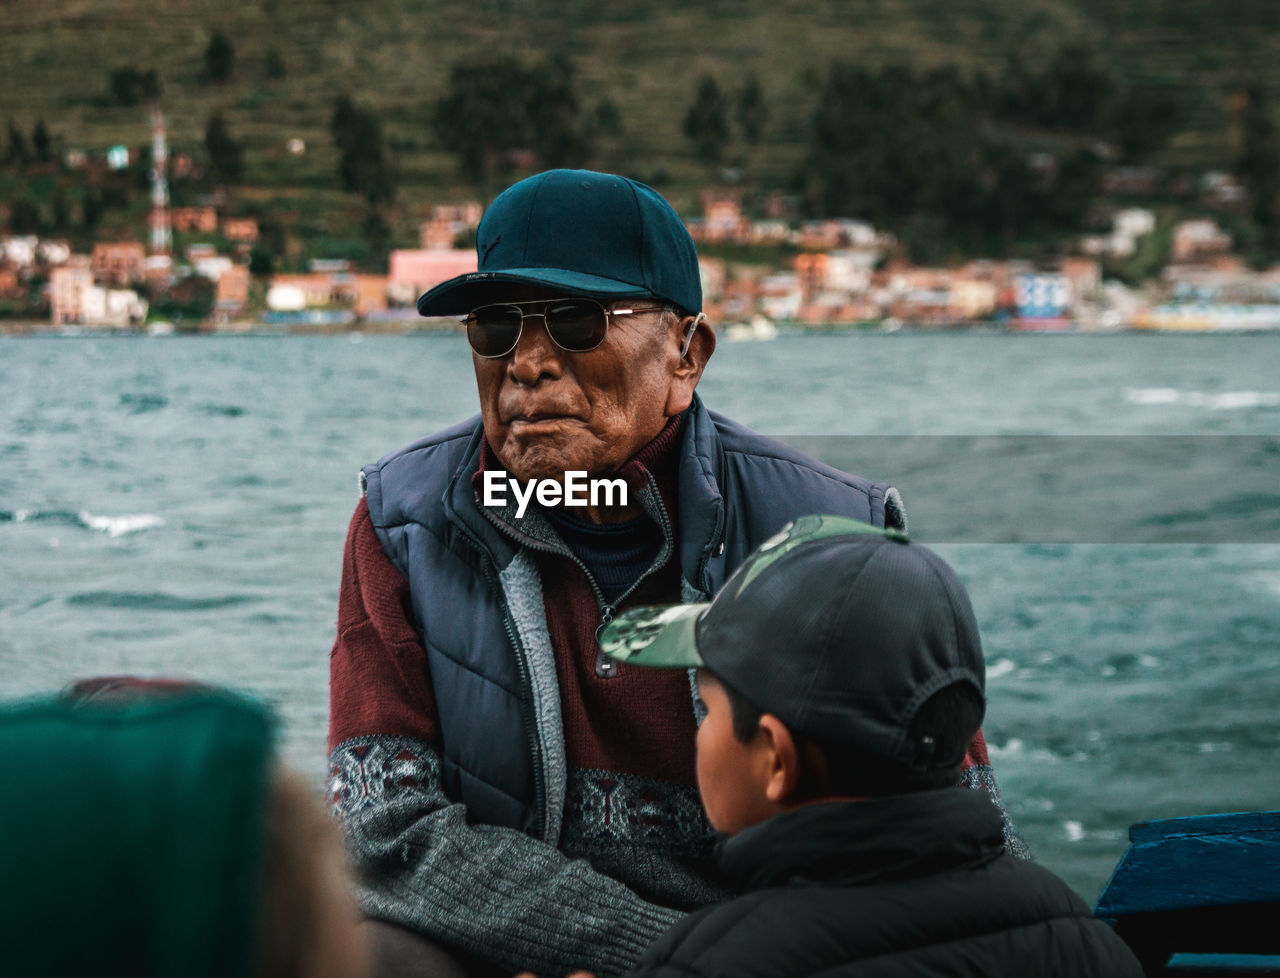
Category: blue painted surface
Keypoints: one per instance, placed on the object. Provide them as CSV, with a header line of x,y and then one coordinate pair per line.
x,y
1203,861
1231,823
1244,964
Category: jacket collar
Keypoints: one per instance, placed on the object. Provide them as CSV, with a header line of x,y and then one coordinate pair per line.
x,y
861,842
699,502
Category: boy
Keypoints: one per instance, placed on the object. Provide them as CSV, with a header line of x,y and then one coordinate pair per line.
x,y
842,676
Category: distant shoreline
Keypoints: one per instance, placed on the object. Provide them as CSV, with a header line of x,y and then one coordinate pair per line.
x,y
409,327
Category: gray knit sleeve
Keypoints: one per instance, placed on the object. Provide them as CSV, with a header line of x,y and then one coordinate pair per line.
x,y
487,889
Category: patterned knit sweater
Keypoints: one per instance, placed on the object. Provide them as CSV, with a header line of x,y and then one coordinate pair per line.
x,y
634,852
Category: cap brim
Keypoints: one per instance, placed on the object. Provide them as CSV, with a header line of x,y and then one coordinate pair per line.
x,y
663,637
460,295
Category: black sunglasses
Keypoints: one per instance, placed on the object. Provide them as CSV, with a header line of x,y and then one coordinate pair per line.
x,y
574,325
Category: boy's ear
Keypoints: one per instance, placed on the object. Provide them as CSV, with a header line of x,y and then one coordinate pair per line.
x,y
781,758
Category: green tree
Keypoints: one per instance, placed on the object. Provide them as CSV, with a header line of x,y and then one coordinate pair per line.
x,y
261,261
24,214
377,234
187,303
41,142
1142,119
130,86
275,65
706,123
750,110
607,120
226,154
913,152
1073,91
481,115
18,152
61,204
1259,162
364,165
496,109
91,208
552,109
1082,88
219,58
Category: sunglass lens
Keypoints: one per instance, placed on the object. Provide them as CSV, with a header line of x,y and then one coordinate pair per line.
x,y
493,331
577,324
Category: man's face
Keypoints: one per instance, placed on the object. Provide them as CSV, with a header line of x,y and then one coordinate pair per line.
x,y
547,411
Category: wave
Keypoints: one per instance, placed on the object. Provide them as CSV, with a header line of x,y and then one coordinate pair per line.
x,y
154,601
1001,667
1075,831
113,526
118,526
224,410
1220,401
143,403
1015,749
1270,582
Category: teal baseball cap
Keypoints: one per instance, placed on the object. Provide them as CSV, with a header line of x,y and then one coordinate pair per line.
x,y
840,629
581,232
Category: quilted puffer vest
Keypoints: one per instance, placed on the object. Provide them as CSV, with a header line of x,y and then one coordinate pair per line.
x,y
477,598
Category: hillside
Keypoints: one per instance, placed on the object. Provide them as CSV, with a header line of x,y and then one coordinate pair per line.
x,y
394,57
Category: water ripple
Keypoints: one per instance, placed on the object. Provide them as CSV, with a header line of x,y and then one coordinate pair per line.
x,y
143,403
154,601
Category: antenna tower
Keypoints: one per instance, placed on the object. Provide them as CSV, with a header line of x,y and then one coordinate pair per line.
x,y
161,238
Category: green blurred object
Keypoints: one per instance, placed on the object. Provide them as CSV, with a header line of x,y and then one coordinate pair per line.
x,y
131,835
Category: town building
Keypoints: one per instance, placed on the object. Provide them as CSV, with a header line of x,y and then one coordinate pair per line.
x,y
240,230
74,298
448,224
118,262
1198,239
231,292
199,220
413,272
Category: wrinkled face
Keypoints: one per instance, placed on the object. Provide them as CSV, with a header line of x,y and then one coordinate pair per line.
x,y
547,411
728,770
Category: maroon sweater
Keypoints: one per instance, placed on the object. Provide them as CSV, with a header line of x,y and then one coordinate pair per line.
x,y
638,722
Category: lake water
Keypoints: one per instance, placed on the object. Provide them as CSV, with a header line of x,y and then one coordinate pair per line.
x,y
178,505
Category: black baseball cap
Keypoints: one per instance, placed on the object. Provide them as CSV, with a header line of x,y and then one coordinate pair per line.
x,y
590,234
839,629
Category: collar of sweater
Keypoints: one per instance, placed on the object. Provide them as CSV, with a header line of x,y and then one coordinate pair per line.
x,y
857,843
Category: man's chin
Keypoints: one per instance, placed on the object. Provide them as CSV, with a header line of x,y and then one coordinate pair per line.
x,y
541,461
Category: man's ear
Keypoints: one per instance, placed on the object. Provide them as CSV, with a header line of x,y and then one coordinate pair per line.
x,y
697,342
781,758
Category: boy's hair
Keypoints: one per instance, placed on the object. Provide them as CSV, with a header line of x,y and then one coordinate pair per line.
x,y
950,717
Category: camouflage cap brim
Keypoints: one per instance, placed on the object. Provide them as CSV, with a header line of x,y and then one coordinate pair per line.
x,y
661,637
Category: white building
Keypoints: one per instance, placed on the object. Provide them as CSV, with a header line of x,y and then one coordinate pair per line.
x,y
20,250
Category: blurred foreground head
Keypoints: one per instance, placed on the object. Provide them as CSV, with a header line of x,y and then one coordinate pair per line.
x,y
154,834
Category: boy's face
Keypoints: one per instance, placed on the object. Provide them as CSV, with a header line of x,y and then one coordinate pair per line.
x,y
732,776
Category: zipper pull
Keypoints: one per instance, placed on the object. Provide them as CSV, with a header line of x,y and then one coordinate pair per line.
x,y
606,668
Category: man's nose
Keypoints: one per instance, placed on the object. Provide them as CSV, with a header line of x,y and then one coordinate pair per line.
x,y
535,356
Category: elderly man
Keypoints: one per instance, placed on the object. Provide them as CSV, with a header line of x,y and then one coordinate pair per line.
x,y
511,794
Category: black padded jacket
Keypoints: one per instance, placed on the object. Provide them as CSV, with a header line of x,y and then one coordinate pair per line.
x,y
907,885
